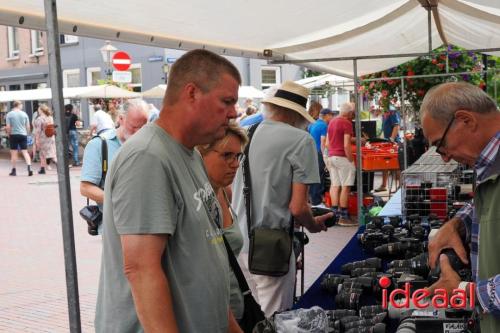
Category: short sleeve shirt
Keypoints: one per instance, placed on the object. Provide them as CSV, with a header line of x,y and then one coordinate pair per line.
x,y
102,121
17,120
337,128
157,186
279,156
389,120
317,130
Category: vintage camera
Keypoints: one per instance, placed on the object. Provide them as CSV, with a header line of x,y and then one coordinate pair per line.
x,y
437,321
370,239
368,263
93,216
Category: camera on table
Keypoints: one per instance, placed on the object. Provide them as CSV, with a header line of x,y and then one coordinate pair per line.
x,y
331,282
405,248
437,321
416,265
348,268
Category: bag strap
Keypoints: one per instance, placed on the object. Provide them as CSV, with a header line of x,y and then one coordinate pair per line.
x,y
242,282
247,189
104,161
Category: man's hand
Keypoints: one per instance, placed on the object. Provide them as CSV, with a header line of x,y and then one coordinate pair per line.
x,y
448,279
448,237
319,223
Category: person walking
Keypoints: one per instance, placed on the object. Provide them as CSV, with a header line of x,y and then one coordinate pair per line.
x,y
18,128
45,145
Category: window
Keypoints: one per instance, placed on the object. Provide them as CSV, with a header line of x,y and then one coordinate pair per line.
x,y
68,39
71,78
13,41
93,76
136,83
270,76
36,42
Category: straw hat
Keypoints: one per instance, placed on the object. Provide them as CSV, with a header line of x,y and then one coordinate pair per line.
x,y
292,96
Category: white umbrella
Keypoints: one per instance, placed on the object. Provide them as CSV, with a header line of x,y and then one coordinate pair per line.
x,y
250,92
106,91
155,92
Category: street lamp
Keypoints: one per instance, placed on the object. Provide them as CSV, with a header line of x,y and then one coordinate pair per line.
x,y
107,52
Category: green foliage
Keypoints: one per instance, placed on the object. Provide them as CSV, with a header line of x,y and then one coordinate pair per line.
x,y
389,90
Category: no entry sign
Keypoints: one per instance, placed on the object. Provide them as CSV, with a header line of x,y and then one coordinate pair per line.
x,y
121,61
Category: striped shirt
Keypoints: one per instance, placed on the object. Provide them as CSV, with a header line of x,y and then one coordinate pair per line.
x,y
487,291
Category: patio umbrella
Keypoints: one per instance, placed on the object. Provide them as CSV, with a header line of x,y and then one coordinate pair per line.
x,y
107,91
250,92
155,92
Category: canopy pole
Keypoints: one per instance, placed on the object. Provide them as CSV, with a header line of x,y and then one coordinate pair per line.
x,y
403,114
359,175
429,28
54,57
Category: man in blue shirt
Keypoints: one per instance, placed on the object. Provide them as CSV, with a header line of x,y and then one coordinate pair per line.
x,y
18,128
318,131
132,116
390,127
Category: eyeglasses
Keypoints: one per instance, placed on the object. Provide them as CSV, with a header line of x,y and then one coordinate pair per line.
x,y
442,142
231,157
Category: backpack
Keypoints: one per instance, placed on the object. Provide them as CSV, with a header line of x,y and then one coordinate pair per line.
x,y
50,130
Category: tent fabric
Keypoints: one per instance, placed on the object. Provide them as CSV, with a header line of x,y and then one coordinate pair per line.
x,y
104,91
293,30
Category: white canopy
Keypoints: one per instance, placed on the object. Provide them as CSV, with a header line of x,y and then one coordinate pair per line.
x,y
155,92
250,92
104,91
291,29
332,80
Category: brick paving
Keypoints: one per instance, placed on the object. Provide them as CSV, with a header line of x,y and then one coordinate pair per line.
x,y
32,276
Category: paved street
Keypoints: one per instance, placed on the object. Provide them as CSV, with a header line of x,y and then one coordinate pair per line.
x,y
32,277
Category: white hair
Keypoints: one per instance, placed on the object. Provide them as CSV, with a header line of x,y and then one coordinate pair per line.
x,y
136,103
346,108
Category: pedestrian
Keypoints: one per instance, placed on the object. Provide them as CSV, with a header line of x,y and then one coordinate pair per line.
x,y
71,121
46,144
101,121
222,159
18,128
33,147
463,122
132,116
283,163
341,163
318,131
164,264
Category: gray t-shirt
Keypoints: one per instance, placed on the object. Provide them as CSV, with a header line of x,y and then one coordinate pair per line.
x,y
17,120
157,186
279,155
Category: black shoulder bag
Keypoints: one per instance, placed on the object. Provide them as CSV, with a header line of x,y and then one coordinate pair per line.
x,y
270,249
91,213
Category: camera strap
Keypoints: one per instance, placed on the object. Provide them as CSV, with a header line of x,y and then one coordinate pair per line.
x,y
104,161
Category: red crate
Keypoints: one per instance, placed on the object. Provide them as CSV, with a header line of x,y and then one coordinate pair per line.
x,y
379,161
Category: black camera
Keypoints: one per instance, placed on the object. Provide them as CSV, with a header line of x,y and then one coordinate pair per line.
x,y
456,263
348,299
317,211
416,265
330,282
437,321
93,216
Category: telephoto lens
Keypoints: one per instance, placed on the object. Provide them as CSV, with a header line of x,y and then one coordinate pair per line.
x,y
368,263
390,249
366,322
330,282
340,313
360,271
348,300
370,311
395,221
340,321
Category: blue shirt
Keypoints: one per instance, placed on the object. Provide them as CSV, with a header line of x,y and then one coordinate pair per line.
x,y
253,119
92,157
389,120
17,120
317,130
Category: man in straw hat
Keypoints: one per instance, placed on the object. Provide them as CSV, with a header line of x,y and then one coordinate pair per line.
x,y
283,162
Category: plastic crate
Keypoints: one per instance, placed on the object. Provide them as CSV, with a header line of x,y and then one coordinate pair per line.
x,y
374,161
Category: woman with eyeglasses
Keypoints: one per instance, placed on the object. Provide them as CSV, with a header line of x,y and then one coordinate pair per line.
x,y
222,159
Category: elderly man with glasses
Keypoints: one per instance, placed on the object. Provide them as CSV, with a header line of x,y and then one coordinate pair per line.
x,y
463,122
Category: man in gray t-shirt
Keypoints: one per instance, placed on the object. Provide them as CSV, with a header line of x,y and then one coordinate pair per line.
x,y
164,264
18,128
283,162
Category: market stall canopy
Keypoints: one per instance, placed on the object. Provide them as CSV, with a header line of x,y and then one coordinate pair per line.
x,y
104,91
155,92
250,92
330,79
292,29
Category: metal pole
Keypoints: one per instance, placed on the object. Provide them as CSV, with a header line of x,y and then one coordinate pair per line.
x,y
429,28
403,114
54,57
359,175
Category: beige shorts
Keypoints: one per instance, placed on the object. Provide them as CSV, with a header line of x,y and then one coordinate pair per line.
x,y
342,172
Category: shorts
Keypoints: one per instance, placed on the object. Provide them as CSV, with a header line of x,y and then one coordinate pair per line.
x,y
18,141
342,172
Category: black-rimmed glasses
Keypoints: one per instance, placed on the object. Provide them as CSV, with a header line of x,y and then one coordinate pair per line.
x,y
441,142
